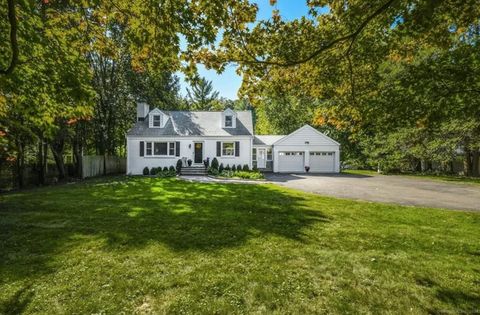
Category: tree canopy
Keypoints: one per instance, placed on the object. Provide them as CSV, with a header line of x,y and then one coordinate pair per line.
x,y
395,81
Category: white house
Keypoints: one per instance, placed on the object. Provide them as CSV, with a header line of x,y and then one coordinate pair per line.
x,y
160,138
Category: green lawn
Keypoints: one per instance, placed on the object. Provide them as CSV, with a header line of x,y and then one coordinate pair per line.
x,y
442,178
448,178
141,245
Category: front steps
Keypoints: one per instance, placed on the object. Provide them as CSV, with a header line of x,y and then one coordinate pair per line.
x,y
193,171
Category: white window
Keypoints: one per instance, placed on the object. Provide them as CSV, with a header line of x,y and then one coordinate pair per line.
x,y
228,149
157,120
160,148
228,121
322,153
290,153
149,148
269,154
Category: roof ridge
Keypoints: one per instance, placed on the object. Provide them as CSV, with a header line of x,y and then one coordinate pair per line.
x,y
205,111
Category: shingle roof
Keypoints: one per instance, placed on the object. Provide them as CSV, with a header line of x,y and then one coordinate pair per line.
x,y
195,123
266,139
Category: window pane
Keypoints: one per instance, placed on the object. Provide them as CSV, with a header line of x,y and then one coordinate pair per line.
x,y
160,148
228,121
171,148
254,154
269,154
149,148
228,148
156,120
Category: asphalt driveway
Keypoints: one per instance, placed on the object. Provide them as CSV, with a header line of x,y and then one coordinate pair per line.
x,y
391,189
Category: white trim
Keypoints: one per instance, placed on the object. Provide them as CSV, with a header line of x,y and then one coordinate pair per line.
x,y
203,152
264,161
305,127
163,118
233,114
193,138
168,155
221,149
153,120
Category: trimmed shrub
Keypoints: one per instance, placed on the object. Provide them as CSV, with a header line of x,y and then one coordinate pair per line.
x,y
206,162
179,166
249,175
239,167
254,168
146,171
165,169
153,171
171,169
246,168
221,168
213,171
227,168
234,168
215,164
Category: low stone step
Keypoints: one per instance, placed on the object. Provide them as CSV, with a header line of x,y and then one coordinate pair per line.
x,y
195,171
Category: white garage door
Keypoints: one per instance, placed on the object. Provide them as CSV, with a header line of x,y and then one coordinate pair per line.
x,y
322,162
289,161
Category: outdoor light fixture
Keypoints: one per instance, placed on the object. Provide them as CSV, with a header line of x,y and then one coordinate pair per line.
x,y
307,142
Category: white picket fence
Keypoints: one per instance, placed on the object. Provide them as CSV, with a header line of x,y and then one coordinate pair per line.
x,y
96,165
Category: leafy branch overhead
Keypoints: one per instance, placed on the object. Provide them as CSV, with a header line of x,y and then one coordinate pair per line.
x,y
12,20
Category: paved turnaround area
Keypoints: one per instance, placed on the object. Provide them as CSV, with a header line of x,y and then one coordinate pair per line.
x,y
390,189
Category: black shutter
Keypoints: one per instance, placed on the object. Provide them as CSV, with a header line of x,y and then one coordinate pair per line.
x,y
142,148
237,148
219,148
177,148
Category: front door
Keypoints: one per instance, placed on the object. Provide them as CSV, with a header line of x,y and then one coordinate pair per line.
x,y
261,158
198,152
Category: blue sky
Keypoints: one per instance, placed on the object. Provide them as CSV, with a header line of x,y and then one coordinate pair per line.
x,y
228,83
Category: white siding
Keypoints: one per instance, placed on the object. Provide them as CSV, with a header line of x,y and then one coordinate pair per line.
x,y
306,139
136,163
304,135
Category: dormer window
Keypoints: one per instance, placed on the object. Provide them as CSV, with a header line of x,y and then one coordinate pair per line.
x,y
157,121
228,121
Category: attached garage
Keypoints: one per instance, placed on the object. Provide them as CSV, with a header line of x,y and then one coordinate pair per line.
x,y
290,161
306,147
322,162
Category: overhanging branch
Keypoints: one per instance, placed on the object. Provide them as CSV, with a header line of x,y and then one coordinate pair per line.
x,y
13,38
351,36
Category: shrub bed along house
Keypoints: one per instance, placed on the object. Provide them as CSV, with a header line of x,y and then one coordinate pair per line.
x,y
160,172
234,172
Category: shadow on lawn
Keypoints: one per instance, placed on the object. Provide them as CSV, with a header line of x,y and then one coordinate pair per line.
x,y
133,212
17,303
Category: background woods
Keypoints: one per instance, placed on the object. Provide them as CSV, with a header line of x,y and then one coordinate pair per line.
x,y
396,82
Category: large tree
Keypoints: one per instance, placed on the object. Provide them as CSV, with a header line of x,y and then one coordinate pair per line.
x,y
201,95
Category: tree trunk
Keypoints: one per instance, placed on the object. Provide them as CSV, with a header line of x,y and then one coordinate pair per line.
x,y
42,160
58,157
57,146
467,163
475,163
20,165
417,165
451,169
77,148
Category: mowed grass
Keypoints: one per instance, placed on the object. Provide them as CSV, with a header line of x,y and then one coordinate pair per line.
x,y
151,245
439,178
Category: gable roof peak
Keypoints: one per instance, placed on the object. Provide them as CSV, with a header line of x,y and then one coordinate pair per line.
x,y
229,110
157,111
